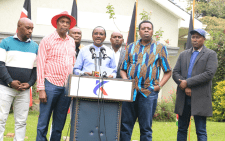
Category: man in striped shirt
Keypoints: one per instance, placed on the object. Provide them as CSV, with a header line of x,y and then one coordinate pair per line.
x,y
17,73
56,57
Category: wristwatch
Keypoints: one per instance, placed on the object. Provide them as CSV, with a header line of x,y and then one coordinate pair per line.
x,y
9,84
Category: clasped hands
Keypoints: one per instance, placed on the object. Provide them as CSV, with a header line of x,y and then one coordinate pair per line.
x,y
15,84
183,86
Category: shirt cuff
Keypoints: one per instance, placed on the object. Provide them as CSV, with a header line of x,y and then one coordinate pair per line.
x,y
40,87
114,75
9,80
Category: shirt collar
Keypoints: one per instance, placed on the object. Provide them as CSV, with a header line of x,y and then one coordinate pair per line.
x,y
199,50
16,37
58,37
96,46
145,45
119,50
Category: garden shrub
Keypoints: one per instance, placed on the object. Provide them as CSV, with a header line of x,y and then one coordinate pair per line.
x,y
217,44
165,108
219,102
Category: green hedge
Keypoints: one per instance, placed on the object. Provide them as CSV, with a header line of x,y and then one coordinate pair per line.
x,y
219,102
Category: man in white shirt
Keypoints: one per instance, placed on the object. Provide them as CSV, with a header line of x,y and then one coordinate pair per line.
x,y
116,42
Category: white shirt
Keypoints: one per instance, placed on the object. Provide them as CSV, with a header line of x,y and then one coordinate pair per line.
x,y
117,55
15,36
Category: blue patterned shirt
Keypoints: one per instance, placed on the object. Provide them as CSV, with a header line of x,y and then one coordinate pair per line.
x,y
143,63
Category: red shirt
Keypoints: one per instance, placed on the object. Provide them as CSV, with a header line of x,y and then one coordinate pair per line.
x,y
56,58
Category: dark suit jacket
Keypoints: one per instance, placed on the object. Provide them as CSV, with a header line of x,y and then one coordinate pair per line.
x,y
122,55
200,83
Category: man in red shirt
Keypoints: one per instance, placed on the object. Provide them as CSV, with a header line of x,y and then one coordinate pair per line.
x,y
56,57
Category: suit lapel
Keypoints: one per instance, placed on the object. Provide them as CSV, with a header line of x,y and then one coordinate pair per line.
x,y
199,55
122,53
189,53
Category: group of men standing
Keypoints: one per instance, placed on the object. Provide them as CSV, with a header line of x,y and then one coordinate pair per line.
x,y
60,54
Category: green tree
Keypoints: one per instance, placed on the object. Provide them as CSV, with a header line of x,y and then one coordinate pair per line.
x,y
213,8
217,43
213,13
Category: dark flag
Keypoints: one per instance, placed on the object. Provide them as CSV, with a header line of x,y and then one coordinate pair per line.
x,y
74,10
132,31
26,12
188,44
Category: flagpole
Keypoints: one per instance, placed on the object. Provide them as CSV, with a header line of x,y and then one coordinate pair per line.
x,y
135,36
193,20
193,14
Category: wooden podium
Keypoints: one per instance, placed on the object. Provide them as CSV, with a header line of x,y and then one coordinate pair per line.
x,y
97,106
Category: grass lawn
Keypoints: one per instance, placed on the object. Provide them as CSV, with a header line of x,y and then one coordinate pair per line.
x,y
162,131
31,130
167,131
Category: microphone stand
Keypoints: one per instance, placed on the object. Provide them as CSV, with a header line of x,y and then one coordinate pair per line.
x,y
95,60
100,63
95,64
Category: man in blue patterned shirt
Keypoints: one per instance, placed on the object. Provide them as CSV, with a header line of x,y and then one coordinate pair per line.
x,y
143,62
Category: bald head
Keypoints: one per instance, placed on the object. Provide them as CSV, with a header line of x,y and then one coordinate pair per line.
x,y
76,34
23,21
24,28
116,40
116,33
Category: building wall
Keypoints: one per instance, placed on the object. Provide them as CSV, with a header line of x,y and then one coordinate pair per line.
x,y
161,19
10,11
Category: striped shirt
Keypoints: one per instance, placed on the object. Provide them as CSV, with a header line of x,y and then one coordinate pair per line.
x,y
56,57
143,63
18,61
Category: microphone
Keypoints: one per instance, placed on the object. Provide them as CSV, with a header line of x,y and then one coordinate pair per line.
x,y
103,51
92,50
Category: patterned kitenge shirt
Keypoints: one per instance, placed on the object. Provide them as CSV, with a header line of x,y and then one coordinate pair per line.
x,y
143,63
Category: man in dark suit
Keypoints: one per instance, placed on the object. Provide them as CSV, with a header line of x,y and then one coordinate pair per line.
x,y
193,74
116,42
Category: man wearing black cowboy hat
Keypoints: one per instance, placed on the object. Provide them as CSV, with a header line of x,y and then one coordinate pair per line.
x,y
56,57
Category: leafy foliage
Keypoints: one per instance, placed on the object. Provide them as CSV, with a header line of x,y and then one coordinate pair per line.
x,y
34,91
213,23
145,15
110,10
214,8
214,12
219,103
217,43
165,108
158,34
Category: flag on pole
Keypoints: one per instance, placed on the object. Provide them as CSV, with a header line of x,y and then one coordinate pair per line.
x,y
132,31
188,44
26,13
74,10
